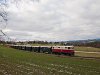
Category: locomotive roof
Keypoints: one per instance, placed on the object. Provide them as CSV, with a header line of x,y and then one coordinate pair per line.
x,y
63,46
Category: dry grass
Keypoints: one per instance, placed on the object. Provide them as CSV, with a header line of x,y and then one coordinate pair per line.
x,y
87,52
87,49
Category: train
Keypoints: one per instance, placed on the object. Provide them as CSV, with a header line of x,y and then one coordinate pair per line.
x,y
65,50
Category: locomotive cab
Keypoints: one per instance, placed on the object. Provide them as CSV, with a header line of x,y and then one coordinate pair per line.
x,y
67,50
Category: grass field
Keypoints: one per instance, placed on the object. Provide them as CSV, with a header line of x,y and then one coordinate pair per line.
x,y
87,52
16,62
87,49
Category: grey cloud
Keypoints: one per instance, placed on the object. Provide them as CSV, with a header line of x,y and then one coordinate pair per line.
x,y
56,20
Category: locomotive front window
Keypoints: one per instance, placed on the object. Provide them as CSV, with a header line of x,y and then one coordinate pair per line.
x,y
69,48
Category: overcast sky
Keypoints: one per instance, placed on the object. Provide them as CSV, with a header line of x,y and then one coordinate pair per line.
x,y
53,20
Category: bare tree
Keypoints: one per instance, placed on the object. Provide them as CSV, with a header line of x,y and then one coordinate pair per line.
x,y
4,14
3,19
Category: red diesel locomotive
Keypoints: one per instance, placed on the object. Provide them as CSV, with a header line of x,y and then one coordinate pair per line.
x,y
67,50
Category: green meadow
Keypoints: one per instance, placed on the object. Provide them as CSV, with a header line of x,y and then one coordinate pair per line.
x,y
18,62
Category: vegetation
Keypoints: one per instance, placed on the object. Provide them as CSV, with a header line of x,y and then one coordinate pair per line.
x,y
87,43
46,45
94,44
87,49
17,62
88,55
